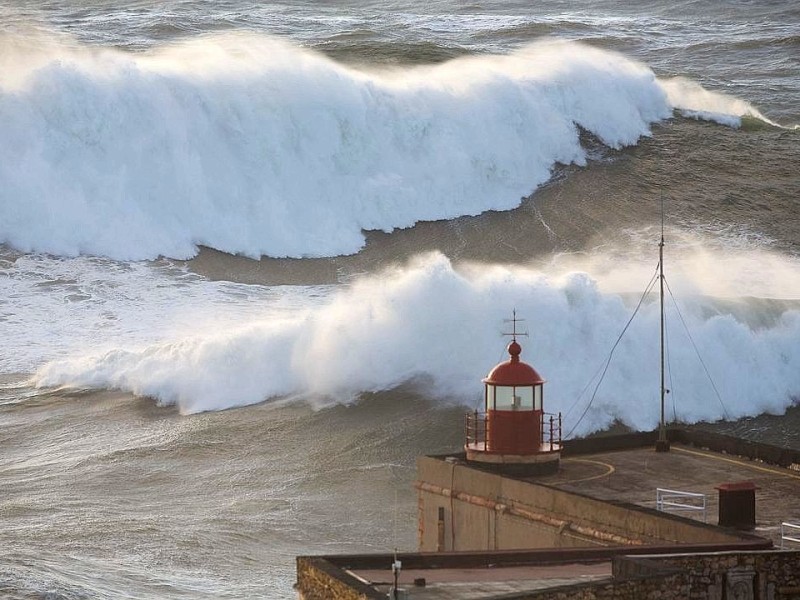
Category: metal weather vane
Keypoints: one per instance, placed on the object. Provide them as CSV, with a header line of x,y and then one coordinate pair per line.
x,y
514,320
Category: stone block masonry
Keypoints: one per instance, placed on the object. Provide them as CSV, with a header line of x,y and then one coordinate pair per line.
x,y
768,575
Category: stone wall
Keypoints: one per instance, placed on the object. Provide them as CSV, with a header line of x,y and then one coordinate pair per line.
x,y
718,442
669,587
318,579
486,511
771,575
740,576
775,455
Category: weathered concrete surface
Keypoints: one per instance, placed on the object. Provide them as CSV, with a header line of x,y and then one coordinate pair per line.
x,y
633,476
468,584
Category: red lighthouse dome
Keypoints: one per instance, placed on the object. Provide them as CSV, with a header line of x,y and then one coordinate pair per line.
x,y
514,432
514,371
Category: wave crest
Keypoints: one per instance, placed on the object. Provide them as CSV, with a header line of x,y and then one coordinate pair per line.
x,y
432,323
252,146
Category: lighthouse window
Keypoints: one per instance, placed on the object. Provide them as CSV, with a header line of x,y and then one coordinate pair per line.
x,y
537,405
525,395
512,398
504,398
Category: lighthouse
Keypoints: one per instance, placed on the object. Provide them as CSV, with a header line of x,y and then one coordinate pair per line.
x,y
514,433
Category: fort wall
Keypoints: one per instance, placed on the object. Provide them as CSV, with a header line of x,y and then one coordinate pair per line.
x,y
462,507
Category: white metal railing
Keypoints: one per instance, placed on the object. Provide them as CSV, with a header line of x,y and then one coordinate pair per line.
x,y
790,532
678,501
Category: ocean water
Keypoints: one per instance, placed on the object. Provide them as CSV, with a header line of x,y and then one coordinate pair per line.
x,y
256,257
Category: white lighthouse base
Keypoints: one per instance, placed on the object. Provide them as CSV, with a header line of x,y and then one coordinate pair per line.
x,y
539,463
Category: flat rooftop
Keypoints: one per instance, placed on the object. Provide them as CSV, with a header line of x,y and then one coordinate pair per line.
x,y
633,476
476,583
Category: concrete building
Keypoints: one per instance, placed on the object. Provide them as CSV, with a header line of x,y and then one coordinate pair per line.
x,y
521,514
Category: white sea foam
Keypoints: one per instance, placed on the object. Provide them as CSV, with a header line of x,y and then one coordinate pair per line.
x,y
696,102
432,323
254,146
52,307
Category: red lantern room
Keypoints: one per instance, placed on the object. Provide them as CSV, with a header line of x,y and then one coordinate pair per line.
x,y
514,431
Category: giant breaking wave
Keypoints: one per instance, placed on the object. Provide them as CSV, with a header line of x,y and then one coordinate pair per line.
x,y
429,322
252,146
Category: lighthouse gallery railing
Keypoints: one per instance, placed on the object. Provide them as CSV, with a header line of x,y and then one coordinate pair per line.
x,y
475,430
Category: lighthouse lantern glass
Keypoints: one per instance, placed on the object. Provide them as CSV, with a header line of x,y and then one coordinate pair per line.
x,y
509,397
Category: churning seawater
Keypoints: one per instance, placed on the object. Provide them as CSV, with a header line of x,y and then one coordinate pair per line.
x,y
257,256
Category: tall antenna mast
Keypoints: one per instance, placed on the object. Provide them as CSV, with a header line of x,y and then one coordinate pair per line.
x,y
662,444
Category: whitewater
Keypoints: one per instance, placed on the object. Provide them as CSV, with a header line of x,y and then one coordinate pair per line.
x,y
205,345
254,146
